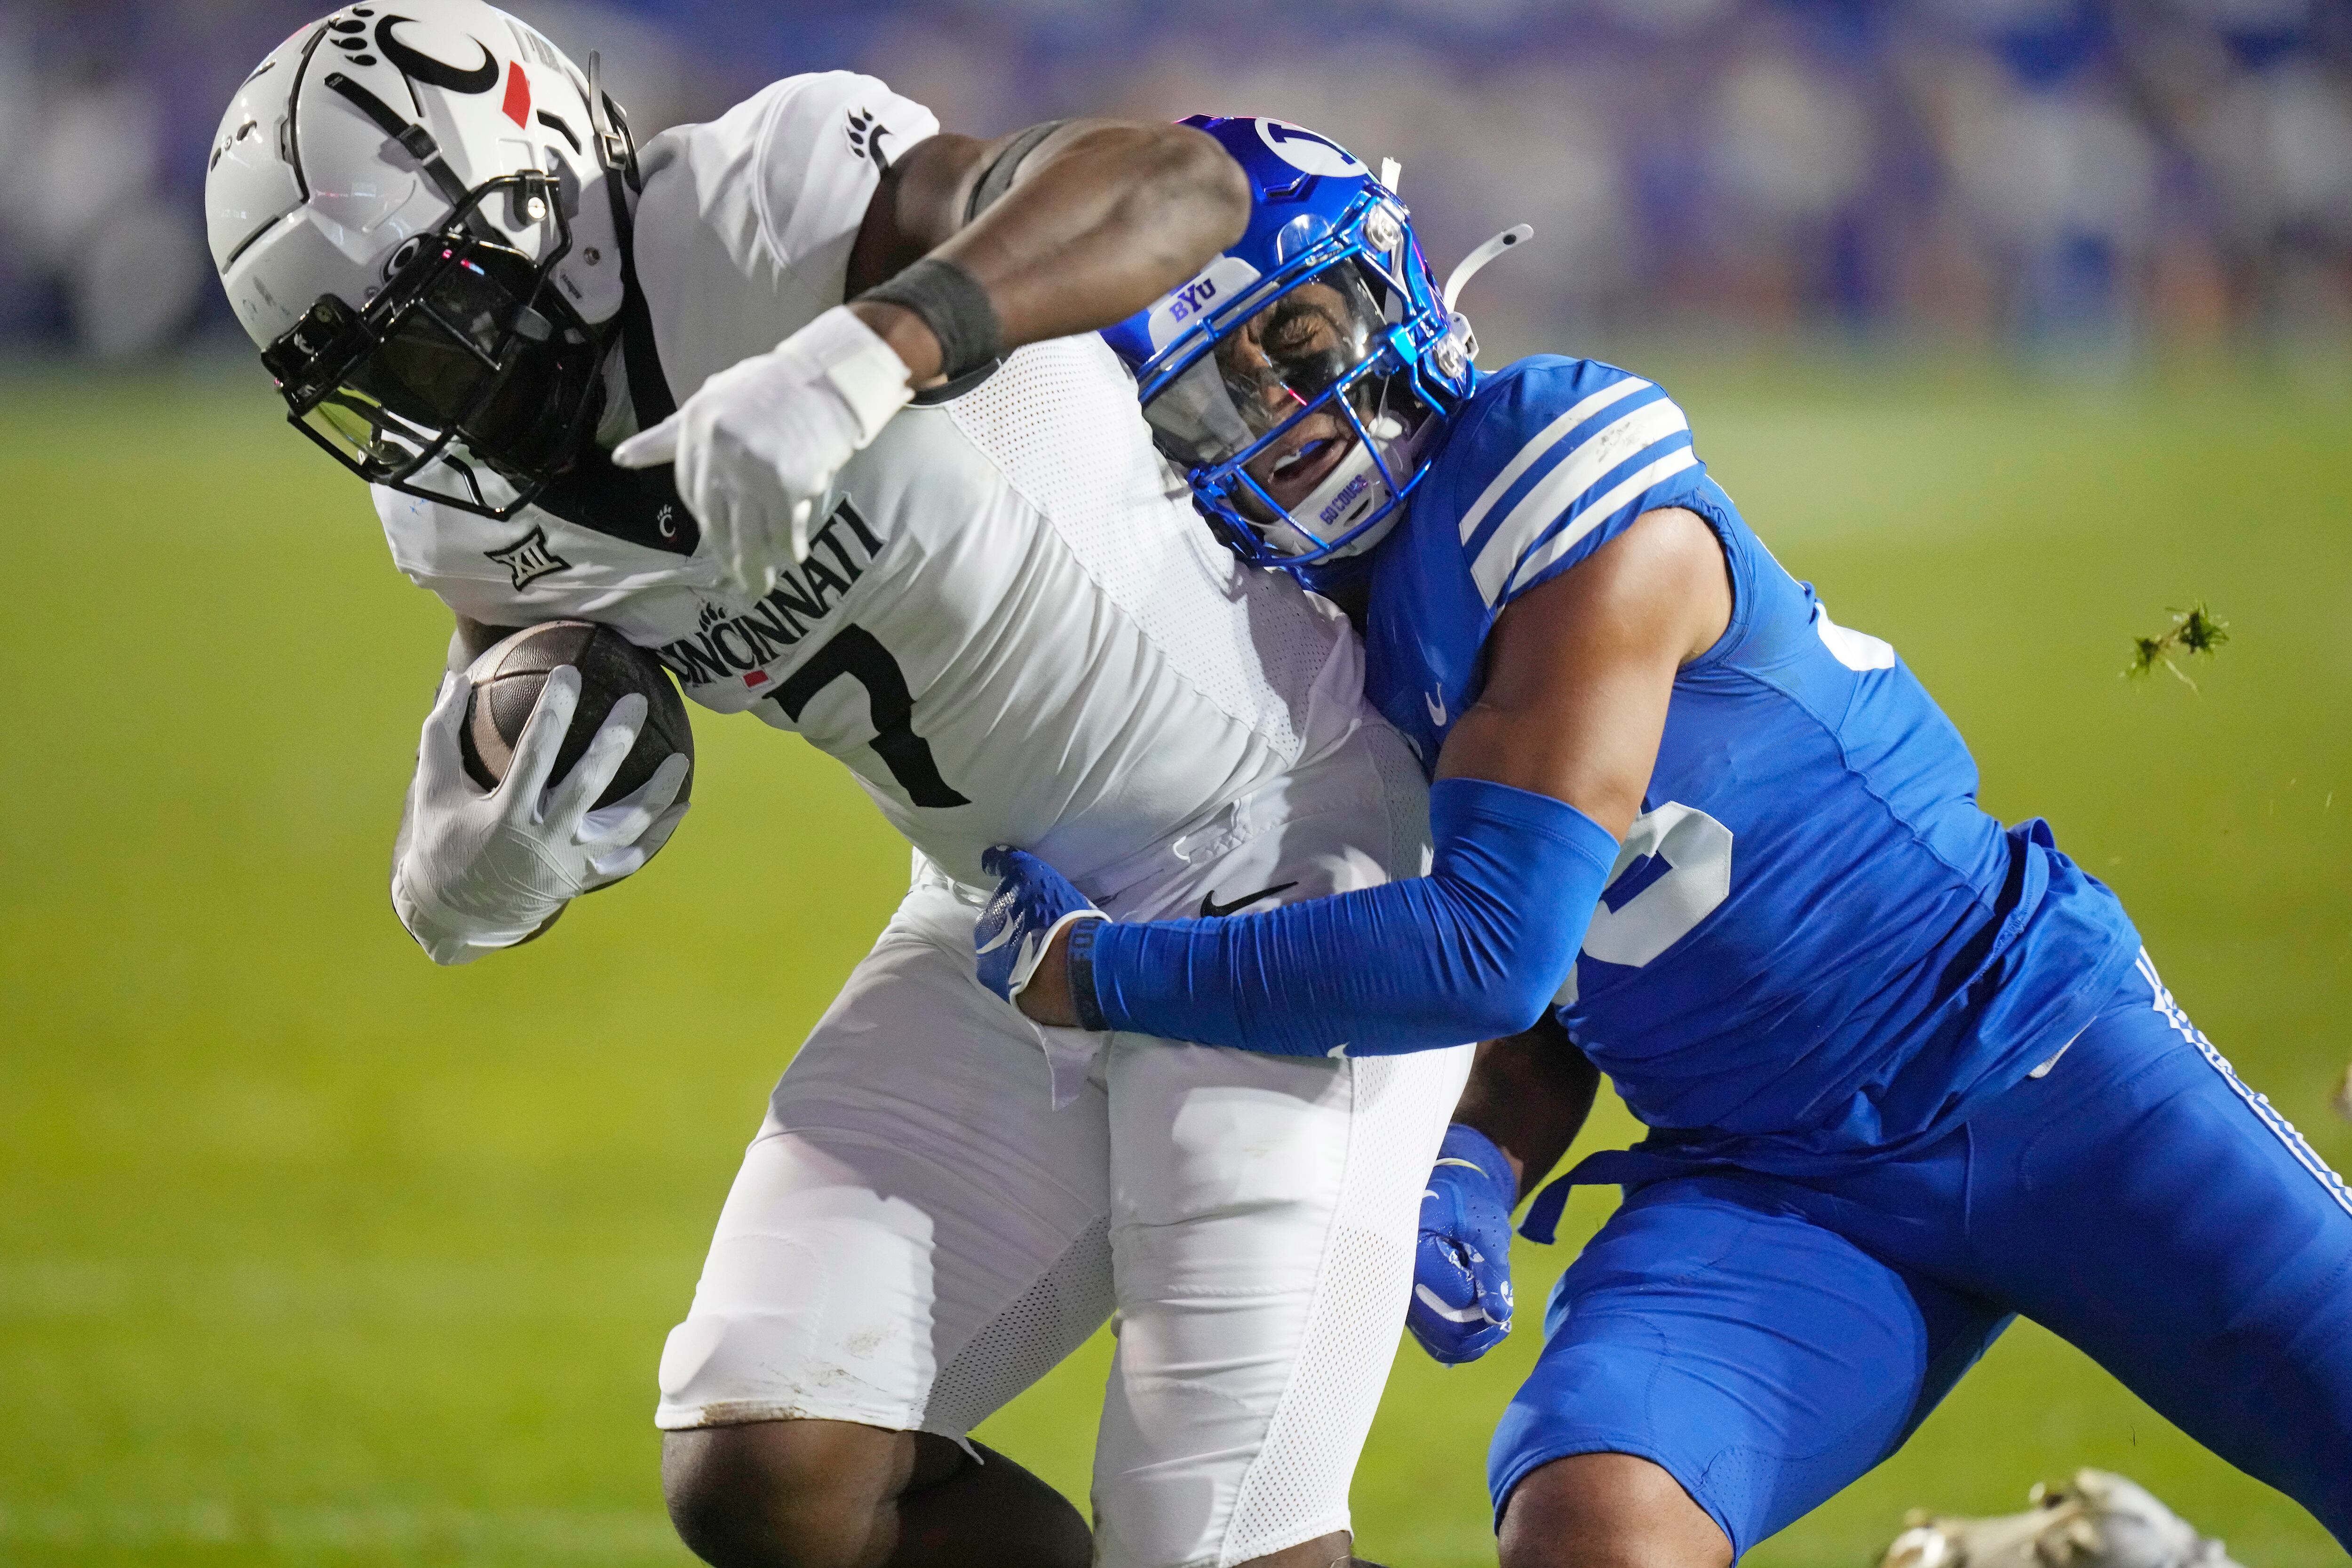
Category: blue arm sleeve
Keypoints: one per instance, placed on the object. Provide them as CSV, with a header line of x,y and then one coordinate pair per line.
x,y
1474,950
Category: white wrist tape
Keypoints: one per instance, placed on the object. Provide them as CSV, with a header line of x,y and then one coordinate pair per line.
x,y
858,364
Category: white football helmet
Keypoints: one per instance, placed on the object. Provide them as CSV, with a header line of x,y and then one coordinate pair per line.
x,y
416,208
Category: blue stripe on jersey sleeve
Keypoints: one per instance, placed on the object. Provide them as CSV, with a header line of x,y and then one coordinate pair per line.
x,y
1576,451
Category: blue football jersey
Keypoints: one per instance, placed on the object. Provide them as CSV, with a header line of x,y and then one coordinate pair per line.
x,y
1813,939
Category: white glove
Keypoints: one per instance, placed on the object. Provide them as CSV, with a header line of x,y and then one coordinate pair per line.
x,y
482,869
757,445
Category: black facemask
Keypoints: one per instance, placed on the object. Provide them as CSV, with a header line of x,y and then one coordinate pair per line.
x,y
468,345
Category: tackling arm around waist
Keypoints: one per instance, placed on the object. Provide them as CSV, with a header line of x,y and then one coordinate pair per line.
x,y
1474,949
1538,781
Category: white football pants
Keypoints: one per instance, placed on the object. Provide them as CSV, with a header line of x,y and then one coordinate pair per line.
x,y
918,1234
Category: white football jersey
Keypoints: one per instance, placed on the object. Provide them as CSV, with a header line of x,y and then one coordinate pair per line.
x,y
1012,626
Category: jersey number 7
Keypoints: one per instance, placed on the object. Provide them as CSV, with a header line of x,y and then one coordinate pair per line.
x,y
856,653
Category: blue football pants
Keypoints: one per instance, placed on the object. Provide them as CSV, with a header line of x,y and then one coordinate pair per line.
x,y
1766,1339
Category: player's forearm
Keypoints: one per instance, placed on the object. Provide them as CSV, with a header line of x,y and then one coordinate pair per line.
x,y
1530,1093
1099,227
1102,219
1473,951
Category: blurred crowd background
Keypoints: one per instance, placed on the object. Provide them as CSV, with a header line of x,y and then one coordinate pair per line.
x,y
2096,180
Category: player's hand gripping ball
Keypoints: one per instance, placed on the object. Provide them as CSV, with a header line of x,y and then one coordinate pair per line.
x,y
505,682
1032,904
501,832
1461,1306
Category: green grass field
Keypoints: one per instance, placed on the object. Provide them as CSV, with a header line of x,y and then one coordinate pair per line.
x,y
313,1253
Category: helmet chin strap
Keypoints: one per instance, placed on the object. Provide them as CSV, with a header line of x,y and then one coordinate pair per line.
x,y
1361,468
616,150
413,138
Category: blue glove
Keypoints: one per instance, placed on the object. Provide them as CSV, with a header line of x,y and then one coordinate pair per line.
x,y
1031,905
1461,1305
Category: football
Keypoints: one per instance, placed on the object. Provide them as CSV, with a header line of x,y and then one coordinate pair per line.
x,y
508,677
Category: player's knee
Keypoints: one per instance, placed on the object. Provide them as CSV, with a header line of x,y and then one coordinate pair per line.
x,y
1608,1510
784,1494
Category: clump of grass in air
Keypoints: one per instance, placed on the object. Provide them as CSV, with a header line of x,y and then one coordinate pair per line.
x,y
2195,631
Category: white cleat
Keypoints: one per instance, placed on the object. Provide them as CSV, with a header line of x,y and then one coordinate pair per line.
x,y
2102,1522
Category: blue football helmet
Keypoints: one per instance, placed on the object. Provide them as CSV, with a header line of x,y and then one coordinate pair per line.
x,y
1301,379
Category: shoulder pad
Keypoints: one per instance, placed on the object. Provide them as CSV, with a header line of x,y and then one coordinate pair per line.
x,y
1552,458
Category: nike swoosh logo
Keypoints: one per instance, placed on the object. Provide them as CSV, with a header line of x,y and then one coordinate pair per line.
x,y
1211,909
1436,706
999,939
